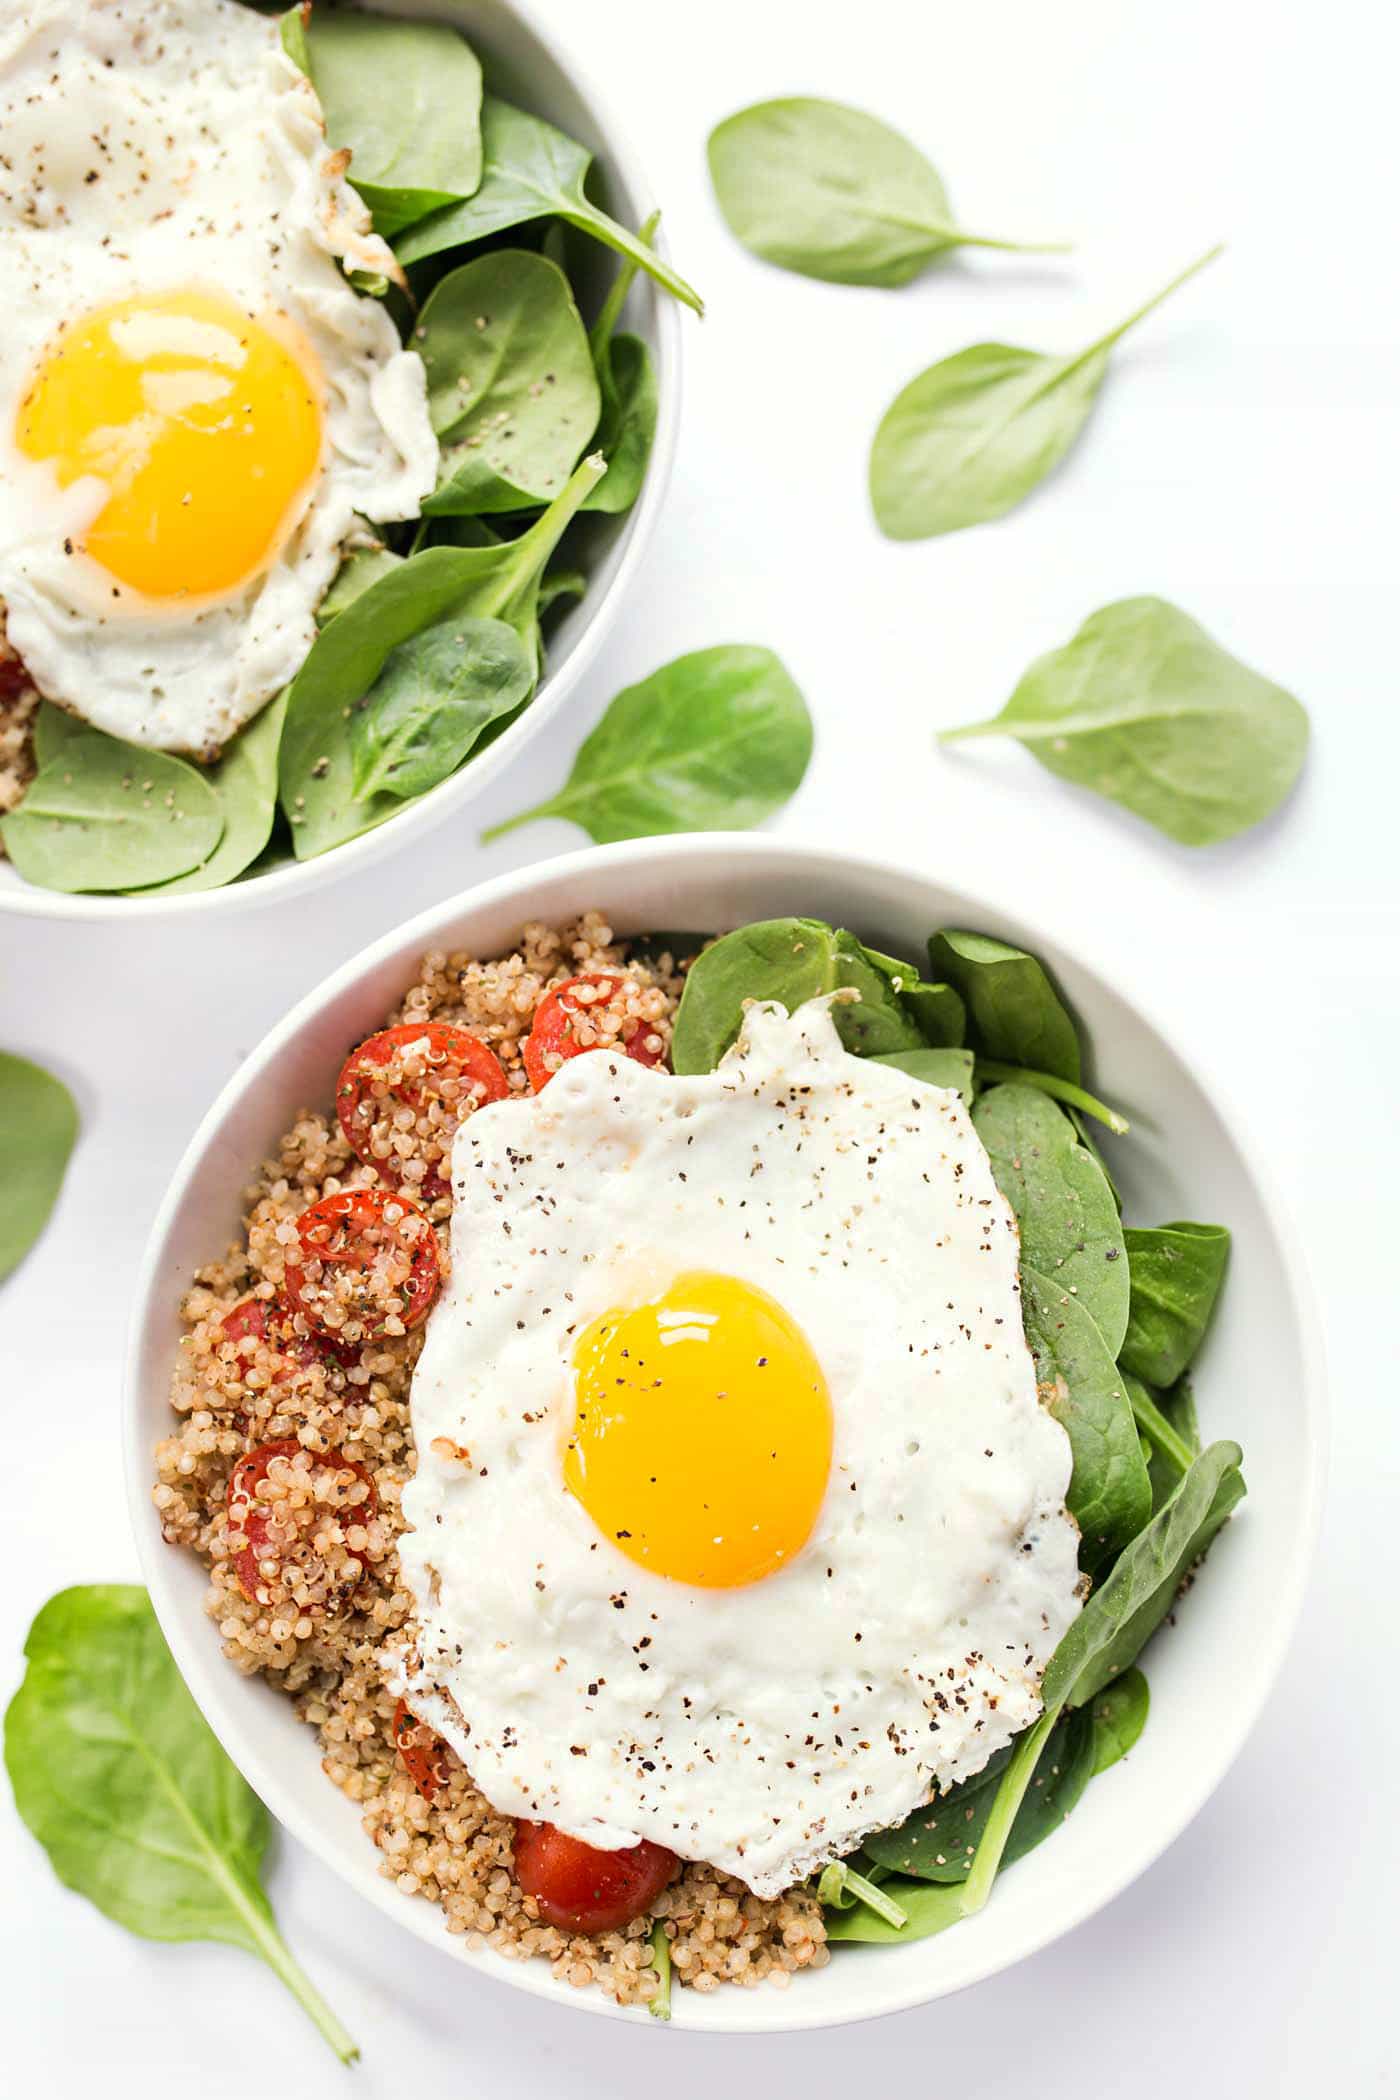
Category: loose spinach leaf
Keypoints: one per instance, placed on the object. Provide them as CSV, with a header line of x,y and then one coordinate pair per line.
x,y
531,171
1176,1272
1070,1231
715,741
106,815
245,783
38,1127
1145,709
790,961
969,438
1128,1607
1016,1014
429,705
500,581
405,97
121,1780
1119,1717
512,391
627,384
952,1068
53,728
1109,1497
834,193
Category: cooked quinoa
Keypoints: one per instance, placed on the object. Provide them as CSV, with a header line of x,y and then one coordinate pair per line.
x,y
320,1549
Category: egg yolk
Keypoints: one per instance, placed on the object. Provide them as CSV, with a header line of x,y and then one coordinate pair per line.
x,y
203,424
701,1439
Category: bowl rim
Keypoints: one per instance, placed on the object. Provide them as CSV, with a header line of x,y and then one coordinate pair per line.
x,y
292,878
693,855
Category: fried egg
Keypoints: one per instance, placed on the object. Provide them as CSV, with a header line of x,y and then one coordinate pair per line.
x,y
737,1522
197,406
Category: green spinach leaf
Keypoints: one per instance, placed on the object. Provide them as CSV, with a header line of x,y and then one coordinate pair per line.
x,y
1178,1410
834,193
38,1127
1128,1607
245,783
1176,1272
716,740
500,581
1016,1015
1119,1716
429,705
627,384
1070,1230
53,728
1145,709
355,574
951,1068
969,438
1167,1446
1110,1497
511,387
1077,1104
121,1780
531,171
405,97
106,815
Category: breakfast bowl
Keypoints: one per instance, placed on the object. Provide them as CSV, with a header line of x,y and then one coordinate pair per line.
x,y
523,65
1260,1379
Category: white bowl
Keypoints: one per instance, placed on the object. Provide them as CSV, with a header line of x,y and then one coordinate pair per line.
x,y
1261,1381
524,61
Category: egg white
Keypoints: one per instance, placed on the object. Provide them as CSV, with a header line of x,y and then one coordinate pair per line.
x,y
154,144
767,1728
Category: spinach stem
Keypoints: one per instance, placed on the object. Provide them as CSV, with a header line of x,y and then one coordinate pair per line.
x,y
283,1963
610,313
1155,1425
612,235
1157,298
659,2003
1059,1090
875,1899
1011,1791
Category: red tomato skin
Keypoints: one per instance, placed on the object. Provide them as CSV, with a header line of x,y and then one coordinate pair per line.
x,y
345,1210
426,1757
244,1511
471,1056
580,1889
261,1320
551,1033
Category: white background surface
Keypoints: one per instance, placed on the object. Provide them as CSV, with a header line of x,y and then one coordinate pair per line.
x,y
1243,463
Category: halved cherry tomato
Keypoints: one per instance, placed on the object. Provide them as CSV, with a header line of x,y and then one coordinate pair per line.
x,y
268,1320
581,1889
14,679
427,1758
349,1231
249,1515
451,1054
552,1033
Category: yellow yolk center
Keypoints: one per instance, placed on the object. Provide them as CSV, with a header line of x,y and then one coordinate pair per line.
x,y
203,425
702,1429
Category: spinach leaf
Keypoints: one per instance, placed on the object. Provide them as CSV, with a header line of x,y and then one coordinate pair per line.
x,y
38,1127
627,384
1109,1497
833,193
531,171
245,783
1119,1716
499,581
1176,1272
1070,1231
1178,1410
511,388
969,438
558,584
1128,1607
355,574
1077,1104
715,741
121,1780
1166,1444
405,97
106,815
1143,708
789,961
952,1068
936,1842
429,705
53,728
1016,1015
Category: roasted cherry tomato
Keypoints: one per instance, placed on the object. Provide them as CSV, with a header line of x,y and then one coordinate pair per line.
x,y
14,679
267,1320
348,1234
580,1889
246,1513
552,1034
427,1758
452,1054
